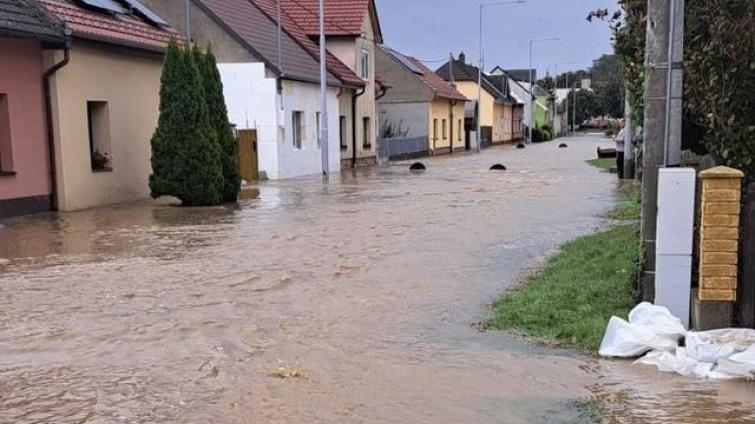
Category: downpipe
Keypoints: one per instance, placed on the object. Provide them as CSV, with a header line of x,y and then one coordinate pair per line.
x,y
49,124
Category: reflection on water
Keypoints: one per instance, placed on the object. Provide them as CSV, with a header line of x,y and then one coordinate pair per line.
x,y
367,286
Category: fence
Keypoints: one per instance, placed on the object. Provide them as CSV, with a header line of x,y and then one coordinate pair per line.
x,y
402,148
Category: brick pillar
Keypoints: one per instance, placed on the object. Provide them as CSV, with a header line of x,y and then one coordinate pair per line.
x,y
719,234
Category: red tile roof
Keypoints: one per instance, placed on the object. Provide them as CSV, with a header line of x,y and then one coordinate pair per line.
x,y
341,71
342,17
441,87
127,30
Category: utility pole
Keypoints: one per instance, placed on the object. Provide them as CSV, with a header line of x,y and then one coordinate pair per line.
x,y
188,20
324,140
663,84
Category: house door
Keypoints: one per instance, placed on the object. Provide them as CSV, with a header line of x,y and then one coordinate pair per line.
x,y
248,167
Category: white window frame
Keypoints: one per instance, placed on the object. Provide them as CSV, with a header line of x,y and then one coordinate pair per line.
x,y
365,64
297,128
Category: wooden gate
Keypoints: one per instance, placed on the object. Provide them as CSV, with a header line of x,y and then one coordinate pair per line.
x,y
248,167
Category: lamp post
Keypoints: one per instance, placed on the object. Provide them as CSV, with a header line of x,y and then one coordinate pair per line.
x,y
480,65
532,86
566,101
324,97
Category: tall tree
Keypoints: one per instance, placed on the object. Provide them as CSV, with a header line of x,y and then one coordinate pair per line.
x,y
185,150
608,85
218,113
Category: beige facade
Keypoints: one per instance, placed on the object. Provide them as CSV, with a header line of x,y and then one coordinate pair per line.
x,y
112,93
446,120
350,51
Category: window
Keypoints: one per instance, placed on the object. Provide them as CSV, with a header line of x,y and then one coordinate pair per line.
x,y
297,125
342,132
443,128
366,133
461,130
319,130
435,129
365,64
6,154
98,118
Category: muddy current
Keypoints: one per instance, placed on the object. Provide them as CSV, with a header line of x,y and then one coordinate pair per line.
x,y
347,302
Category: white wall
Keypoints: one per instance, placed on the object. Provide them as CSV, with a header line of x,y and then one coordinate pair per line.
x,y
305,97
250,98
524,96
253,103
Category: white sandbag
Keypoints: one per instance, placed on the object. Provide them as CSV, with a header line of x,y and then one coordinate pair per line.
x,y
650,327
625,340
711,346
738,365
658,320
678,362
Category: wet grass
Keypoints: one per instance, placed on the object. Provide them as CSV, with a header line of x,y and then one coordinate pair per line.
x,y
607,163
571,300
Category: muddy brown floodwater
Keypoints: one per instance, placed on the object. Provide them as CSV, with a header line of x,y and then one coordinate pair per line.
x,y
351,302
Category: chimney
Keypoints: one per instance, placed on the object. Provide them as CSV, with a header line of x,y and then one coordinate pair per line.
x,y
462,58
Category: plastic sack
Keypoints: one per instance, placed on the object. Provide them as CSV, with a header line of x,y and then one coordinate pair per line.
x,y
738,365
679,362
712,346
650,327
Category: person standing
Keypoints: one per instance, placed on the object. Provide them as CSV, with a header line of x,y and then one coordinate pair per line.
x,y
619,139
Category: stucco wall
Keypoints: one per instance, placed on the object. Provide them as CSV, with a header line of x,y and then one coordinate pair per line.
x,y
251,100
253,103
130,83
410,117
349,51
406,86
21,82
469,89
293,162
440,110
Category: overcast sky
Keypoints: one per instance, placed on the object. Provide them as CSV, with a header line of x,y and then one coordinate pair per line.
x,y
431,29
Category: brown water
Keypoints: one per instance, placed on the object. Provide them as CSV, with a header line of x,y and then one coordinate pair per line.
x,y
361,292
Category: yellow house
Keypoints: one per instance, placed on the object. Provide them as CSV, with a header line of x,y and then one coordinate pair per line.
x,y
104,102
495,108
421,113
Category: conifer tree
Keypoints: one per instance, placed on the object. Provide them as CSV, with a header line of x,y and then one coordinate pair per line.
x,y
185,151
219,122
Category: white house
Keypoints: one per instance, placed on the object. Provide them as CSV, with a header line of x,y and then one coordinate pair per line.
x,y
275,91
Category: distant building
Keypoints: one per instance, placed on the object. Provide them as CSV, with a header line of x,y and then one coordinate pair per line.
x,y
495,110
353,30
422,113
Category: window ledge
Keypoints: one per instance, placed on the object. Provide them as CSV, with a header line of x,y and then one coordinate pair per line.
x,y
7,173
101,170
367,146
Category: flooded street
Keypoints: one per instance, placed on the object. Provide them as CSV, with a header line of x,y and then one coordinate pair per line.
x,y
361,294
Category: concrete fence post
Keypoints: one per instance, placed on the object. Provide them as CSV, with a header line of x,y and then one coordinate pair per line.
x,y
719,247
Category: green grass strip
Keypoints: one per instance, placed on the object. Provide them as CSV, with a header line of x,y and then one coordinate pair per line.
x,y
591,279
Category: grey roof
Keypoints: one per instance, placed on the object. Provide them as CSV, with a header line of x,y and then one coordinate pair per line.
x,y
26,19
521,74
465,72
258,33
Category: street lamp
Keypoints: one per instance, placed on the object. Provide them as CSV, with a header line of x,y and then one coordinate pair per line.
x,y
566,102
479,68
532,86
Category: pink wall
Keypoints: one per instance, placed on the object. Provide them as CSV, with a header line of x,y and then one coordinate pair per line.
x,y
21,81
